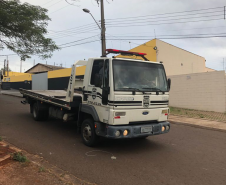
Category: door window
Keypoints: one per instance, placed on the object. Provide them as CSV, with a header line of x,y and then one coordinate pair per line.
x,y
98,69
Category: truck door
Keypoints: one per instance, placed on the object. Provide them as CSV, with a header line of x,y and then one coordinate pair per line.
x,y
95,88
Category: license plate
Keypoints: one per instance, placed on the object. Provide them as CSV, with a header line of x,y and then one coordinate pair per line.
x,y
146,129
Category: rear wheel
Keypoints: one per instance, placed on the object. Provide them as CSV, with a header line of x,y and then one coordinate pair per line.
x,y
39,115
89,136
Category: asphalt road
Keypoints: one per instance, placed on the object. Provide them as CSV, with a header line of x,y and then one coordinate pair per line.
x,y
186,155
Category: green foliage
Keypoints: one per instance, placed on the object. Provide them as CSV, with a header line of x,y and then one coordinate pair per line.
x,y
23,29
0,138
42,169
18,156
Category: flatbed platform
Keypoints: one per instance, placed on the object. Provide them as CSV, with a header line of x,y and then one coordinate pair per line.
x,y
55,97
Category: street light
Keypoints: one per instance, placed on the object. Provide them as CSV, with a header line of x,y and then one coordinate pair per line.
x,y
87,11
102,28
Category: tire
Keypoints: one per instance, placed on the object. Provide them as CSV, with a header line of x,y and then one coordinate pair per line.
x,y
39,115
89,136
31,108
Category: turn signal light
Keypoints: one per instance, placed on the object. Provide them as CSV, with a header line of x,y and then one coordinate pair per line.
x,y
165,111
117,117
125,133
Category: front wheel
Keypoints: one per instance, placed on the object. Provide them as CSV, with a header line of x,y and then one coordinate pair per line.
x,y
89,136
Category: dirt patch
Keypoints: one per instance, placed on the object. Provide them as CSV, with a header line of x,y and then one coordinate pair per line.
x,y
18,173
35,170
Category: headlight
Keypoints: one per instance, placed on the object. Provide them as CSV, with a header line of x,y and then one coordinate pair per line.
x,y
120,113
117,133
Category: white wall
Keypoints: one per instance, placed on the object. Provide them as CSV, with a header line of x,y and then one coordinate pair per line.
x,y
178,61
200,91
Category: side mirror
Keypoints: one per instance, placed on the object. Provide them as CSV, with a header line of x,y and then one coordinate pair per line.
x,y
98,80
169,83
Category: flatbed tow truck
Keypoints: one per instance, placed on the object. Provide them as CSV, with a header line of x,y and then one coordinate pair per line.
x,y
120,98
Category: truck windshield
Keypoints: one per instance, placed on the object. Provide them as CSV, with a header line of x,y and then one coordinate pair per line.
x,y
139,76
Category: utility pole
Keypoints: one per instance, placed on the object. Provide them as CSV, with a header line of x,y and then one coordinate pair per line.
x,y
103,38
7,66
102,28
4,68
21,66
223,64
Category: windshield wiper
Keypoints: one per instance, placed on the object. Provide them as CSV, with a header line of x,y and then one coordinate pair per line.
x,y
157,89
130,88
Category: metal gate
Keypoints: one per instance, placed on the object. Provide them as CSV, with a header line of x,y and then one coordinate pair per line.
x,y
40,81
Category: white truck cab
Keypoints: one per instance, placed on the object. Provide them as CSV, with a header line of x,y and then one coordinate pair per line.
x,y
127,98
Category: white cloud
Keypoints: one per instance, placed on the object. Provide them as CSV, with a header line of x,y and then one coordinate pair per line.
x,y
213,49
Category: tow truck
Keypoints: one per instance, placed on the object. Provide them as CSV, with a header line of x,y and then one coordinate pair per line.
x,y
120,98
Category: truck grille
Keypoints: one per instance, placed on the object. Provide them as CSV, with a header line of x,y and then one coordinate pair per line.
x,y
142,122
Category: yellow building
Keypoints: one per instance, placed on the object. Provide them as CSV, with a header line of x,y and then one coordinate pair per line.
x,y
176,61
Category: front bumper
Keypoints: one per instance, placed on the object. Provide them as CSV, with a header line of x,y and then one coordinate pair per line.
x,y
134,131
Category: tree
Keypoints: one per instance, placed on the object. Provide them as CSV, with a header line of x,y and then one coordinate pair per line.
x,y
2,69
23,29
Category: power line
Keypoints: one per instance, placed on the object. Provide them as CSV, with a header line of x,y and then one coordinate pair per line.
x,y
175,30
113,21
71,31
77,40
75,33
164,23
166,13
8,55
134,22
177,35
190,37
54,4
70,3
47,2
75,27
59,9
80,44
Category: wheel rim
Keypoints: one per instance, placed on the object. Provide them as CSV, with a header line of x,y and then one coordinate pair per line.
x,y
87,133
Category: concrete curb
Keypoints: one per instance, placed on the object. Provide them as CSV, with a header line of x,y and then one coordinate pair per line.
x,y
4,158
4,144
196,126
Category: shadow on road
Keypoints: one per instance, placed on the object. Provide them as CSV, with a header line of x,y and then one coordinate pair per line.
x,y
68,131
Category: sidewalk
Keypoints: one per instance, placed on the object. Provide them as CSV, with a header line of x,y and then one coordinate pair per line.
x,y
35,171
201,123
11,92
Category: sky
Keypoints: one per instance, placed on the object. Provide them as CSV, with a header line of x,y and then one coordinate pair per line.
x,y
130,23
